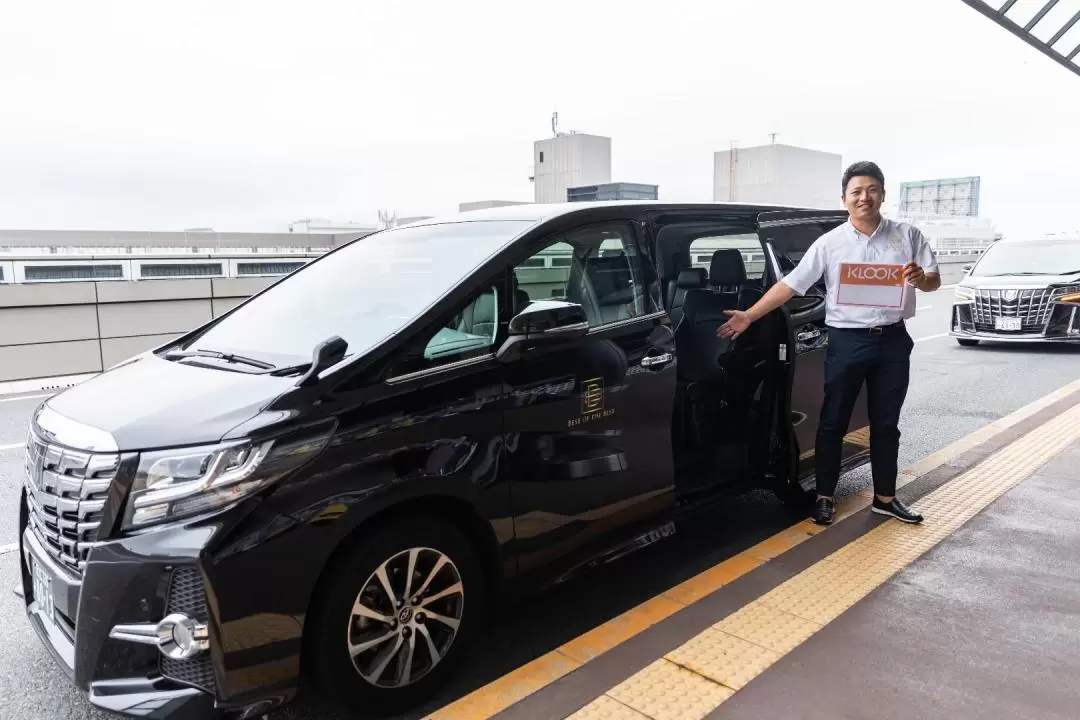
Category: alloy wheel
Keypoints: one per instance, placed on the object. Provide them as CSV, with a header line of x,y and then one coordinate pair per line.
x,y
405,617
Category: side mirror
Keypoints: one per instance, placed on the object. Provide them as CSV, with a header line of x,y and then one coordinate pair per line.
x,y
541,323
966,268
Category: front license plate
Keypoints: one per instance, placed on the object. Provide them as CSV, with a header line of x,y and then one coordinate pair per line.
x,y
42,589
1004,323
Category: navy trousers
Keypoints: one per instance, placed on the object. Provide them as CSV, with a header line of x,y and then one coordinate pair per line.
x,y
883,362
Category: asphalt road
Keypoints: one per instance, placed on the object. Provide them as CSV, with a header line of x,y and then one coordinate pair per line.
x,y
954,391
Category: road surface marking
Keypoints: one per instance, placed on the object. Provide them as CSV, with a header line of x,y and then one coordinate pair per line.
x,y
9,548
11,447
24,397
931,337
714,665
532,677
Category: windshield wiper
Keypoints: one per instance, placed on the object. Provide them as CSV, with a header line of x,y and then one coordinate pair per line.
x,y
227,357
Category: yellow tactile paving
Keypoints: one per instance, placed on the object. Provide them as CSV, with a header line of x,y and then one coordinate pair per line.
x,y
665,691
768,626
723,658
743,645
606,708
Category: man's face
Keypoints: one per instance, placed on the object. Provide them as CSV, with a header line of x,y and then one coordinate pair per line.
x,y
863,197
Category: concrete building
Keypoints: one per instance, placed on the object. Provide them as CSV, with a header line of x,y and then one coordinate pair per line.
x,y
485,204
569,160
42,256
612,191
778,174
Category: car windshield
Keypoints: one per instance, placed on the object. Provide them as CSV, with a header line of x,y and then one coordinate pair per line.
x,y
1060,257
364,292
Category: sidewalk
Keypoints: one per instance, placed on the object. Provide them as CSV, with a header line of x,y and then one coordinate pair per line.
x,y
973,614
985,625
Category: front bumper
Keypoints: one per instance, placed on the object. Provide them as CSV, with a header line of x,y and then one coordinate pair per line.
x,y
124,584
1063,326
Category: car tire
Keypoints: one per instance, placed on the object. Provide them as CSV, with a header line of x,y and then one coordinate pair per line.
x,y
442,551
967,342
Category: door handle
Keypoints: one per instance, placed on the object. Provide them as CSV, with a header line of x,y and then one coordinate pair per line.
x,y
656,360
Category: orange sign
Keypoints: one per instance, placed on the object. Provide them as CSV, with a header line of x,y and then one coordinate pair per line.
x,y
871,285
871,274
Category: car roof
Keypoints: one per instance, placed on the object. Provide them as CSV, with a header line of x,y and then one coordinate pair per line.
x,y
543,212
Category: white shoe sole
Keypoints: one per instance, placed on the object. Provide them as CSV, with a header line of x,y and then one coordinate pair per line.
x,y
886,513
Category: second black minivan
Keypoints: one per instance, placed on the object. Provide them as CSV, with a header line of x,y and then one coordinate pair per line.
x,y
343,472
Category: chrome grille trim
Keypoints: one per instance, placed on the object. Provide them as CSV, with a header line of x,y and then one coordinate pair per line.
x,y
1033,306
66,491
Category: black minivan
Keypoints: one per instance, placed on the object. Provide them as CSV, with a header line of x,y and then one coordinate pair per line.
x,y
342,472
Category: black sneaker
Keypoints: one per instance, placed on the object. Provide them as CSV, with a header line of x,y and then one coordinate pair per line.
x,y
896,509
823,511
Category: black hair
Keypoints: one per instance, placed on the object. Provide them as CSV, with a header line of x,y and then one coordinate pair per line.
x,y
862,169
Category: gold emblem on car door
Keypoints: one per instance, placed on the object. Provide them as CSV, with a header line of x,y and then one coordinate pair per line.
x,y
592,395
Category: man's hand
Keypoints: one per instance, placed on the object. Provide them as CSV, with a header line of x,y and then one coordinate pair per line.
x,y
738,324
914,275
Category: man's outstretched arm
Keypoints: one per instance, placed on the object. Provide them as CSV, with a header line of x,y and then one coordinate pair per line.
x,y
740,320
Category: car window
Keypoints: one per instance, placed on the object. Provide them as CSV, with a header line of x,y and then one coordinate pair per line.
x,y
792,244
599,267
748,245
1032,257
472,328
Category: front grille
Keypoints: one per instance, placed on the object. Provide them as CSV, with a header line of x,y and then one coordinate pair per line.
x,y
187,596
66,491
1032,306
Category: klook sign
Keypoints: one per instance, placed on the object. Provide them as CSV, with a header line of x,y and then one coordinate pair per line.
x,y
871,285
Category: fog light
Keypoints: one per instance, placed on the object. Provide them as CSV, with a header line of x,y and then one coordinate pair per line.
x,y
180,637
177,636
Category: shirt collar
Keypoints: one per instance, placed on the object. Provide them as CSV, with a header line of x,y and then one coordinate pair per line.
x,y
881,228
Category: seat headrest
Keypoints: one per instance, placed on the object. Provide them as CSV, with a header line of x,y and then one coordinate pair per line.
x,y
727,268
692,278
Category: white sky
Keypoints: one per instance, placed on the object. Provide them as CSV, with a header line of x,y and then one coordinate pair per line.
x,y
246,115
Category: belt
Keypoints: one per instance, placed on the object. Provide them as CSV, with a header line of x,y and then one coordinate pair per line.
x,y
878,330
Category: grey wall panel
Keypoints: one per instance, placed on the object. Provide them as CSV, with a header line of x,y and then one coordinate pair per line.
x,y
127,291
25,325
152,318
22,362
240,287
74,293
114,350
224,305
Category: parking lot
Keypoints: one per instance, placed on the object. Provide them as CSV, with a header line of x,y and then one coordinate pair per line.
x,y
954,391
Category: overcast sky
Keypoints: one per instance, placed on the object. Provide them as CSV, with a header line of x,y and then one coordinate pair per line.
x,y
246,115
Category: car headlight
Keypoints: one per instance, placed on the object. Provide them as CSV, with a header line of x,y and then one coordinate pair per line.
x,y
174,484
964,294
1068,294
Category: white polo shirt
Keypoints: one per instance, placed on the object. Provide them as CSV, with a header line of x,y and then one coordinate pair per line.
x,y
892,242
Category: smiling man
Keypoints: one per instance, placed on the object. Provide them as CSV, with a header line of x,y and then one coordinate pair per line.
x,y
870,265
